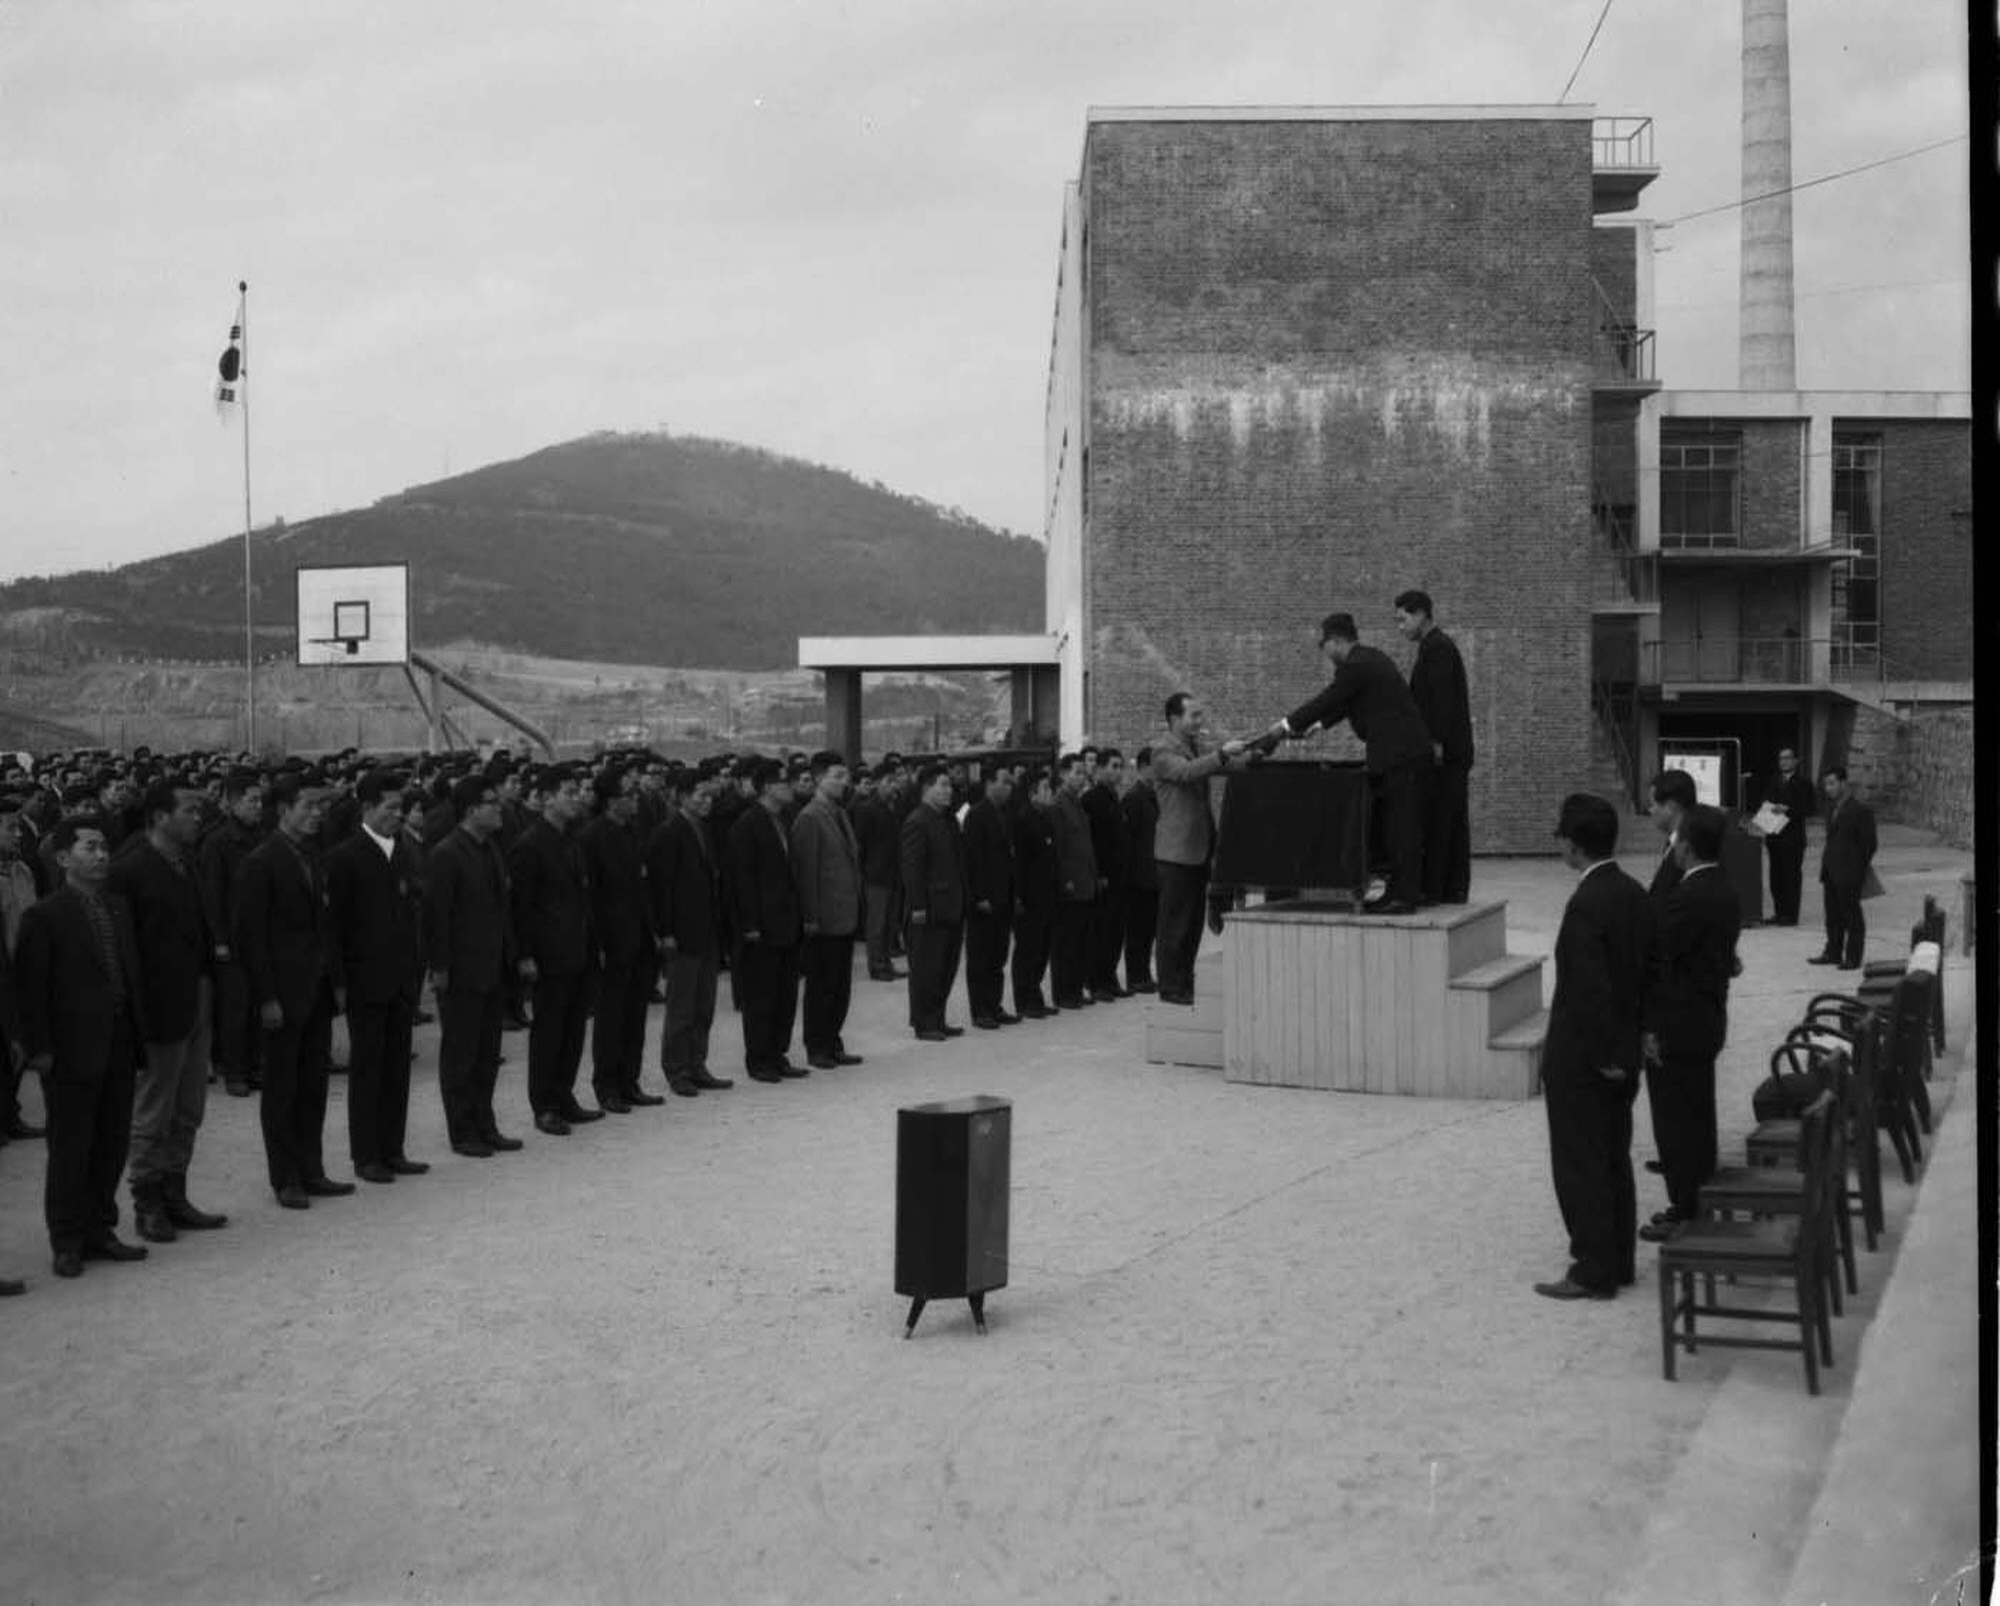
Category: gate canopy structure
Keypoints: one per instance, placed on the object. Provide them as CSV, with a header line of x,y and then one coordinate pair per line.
x,y
1031,663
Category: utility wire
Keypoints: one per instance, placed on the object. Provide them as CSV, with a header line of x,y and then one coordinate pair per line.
x,y
1828,178
1580,60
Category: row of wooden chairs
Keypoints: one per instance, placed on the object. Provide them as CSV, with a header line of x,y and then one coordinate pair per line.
x,y
1853,1070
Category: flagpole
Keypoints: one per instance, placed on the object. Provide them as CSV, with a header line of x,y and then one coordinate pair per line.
x,y
249,636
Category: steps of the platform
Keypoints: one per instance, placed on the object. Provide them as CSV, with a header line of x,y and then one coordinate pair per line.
x,y
1179,1035
1497,973
1527,1033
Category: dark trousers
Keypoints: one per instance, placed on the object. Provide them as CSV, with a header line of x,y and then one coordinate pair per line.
x,y
88,1110
468,1060
876,898
1590,1154
767,993
292,1107
555,1038
1107,938
1399,794
1183,907
1142,923
690,1013
1683,1097
826,976
1069,952
1787,853
618,1028
1846,926
1448,834
1034,931
934,947
986,938
236,1033
378,1078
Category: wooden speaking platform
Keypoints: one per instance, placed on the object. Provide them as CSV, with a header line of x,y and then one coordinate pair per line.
x,y
1313,992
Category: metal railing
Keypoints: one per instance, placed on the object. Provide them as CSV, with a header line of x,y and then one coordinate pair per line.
x,y
1624,352
1621,142
1616,711
1763,661
1619,571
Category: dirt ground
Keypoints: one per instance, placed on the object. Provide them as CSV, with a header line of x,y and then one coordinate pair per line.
x,y
1259,1345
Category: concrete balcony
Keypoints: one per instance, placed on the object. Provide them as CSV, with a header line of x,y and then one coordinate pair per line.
x,y
1621,361
1621,162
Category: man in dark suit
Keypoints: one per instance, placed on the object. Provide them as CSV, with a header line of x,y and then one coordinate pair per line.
x,y
1695,927
991,891
933,862
292,967
156,879
1792,795
556,948
826,868
1141,807
765,904
1078,883
1674,797
374,898
468,940
1437,682
1369,693
1844,862
875,834
1590,1056
1108,847
1039,885
614,863
683,889
220,860
77,978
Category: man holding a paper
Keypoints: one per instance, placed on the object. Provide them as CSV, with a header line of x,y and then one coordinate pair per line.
x,y
1788,804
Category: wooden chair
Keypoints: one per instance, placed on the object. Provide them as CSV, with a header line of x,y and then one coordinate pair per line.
x,y
1780,1250
1776,1143
1930,927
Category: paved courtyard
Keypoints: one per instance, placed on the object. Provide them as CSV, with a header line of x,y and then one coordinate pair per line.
x,y
1260,1346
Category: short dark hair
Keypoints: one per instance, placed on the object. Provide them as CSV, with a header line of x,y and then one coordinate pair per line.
x,y
1837,771
469,791
1068,762
162,797
237,782
929,775
374,784
1106,754
825,759
1590,822
1142,758
1674,786
64,836
1702,832
1416,602
1338,626
1177,705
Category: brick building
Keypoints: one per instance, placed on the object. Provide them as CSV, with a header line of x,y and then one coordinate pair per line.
x,y
1305,358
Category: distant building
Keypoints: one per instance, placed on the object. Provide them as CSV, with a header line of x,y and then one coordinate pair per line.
x,y
1305,358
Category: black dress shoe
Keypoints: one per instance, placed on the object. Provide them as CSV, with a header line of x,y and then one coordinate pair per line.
x,y
472,1148
954,1031
795,1072
986,1023
1148,985
112,1247
1186,999
191,1218
327,1188
685,1087
1658,1232
1846,965
374,1171
1569,1289
577,1115
20,1129
1664,1218
68,1263
845,1058
152,1225
10,1286
1656,1168
614,1103
1400,906
551,1123
499,1142
236,1087
1035,1012
294,1198
638,1097
1103,995
823,1062
408,1168
931,1034
1824,959
708,1082
760,1074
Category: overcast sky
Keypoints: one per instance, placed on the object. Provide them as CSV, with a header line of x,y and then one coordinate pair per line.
x,y
826,227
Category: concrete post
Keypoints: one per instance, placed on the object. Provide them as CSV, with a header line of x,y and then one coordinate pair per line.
x,y
843,713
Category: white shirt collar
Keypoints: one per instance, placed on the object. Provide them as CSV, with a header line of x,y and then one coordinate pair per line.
x,y
386,843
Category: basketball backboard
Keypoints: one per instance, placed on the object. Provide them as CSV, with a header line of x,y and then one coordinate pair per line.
x,y
354,616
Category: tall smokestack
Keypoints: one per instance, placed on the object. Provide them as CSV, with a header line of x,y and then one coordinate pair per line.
x,y
1765,356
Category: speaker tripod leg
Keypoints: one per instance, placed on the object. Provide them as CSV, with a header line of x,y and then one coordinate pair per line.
x,y
978,1304
916,1310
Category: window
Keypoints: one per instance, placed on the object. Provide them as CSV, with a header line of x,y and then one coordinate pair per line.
x,y
1857,523
1699,481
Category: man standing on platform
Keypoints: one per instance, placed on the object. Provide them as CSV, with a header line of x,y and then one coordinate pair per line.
x,y
933,862
826,864
1369,693
375,900
765,903
1844,863
615,868
1141,808
156,878
1437,682
1590,1057
683,887
1792,795
1695,927
991,893
1076,871
471,950
1184,839
557,950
